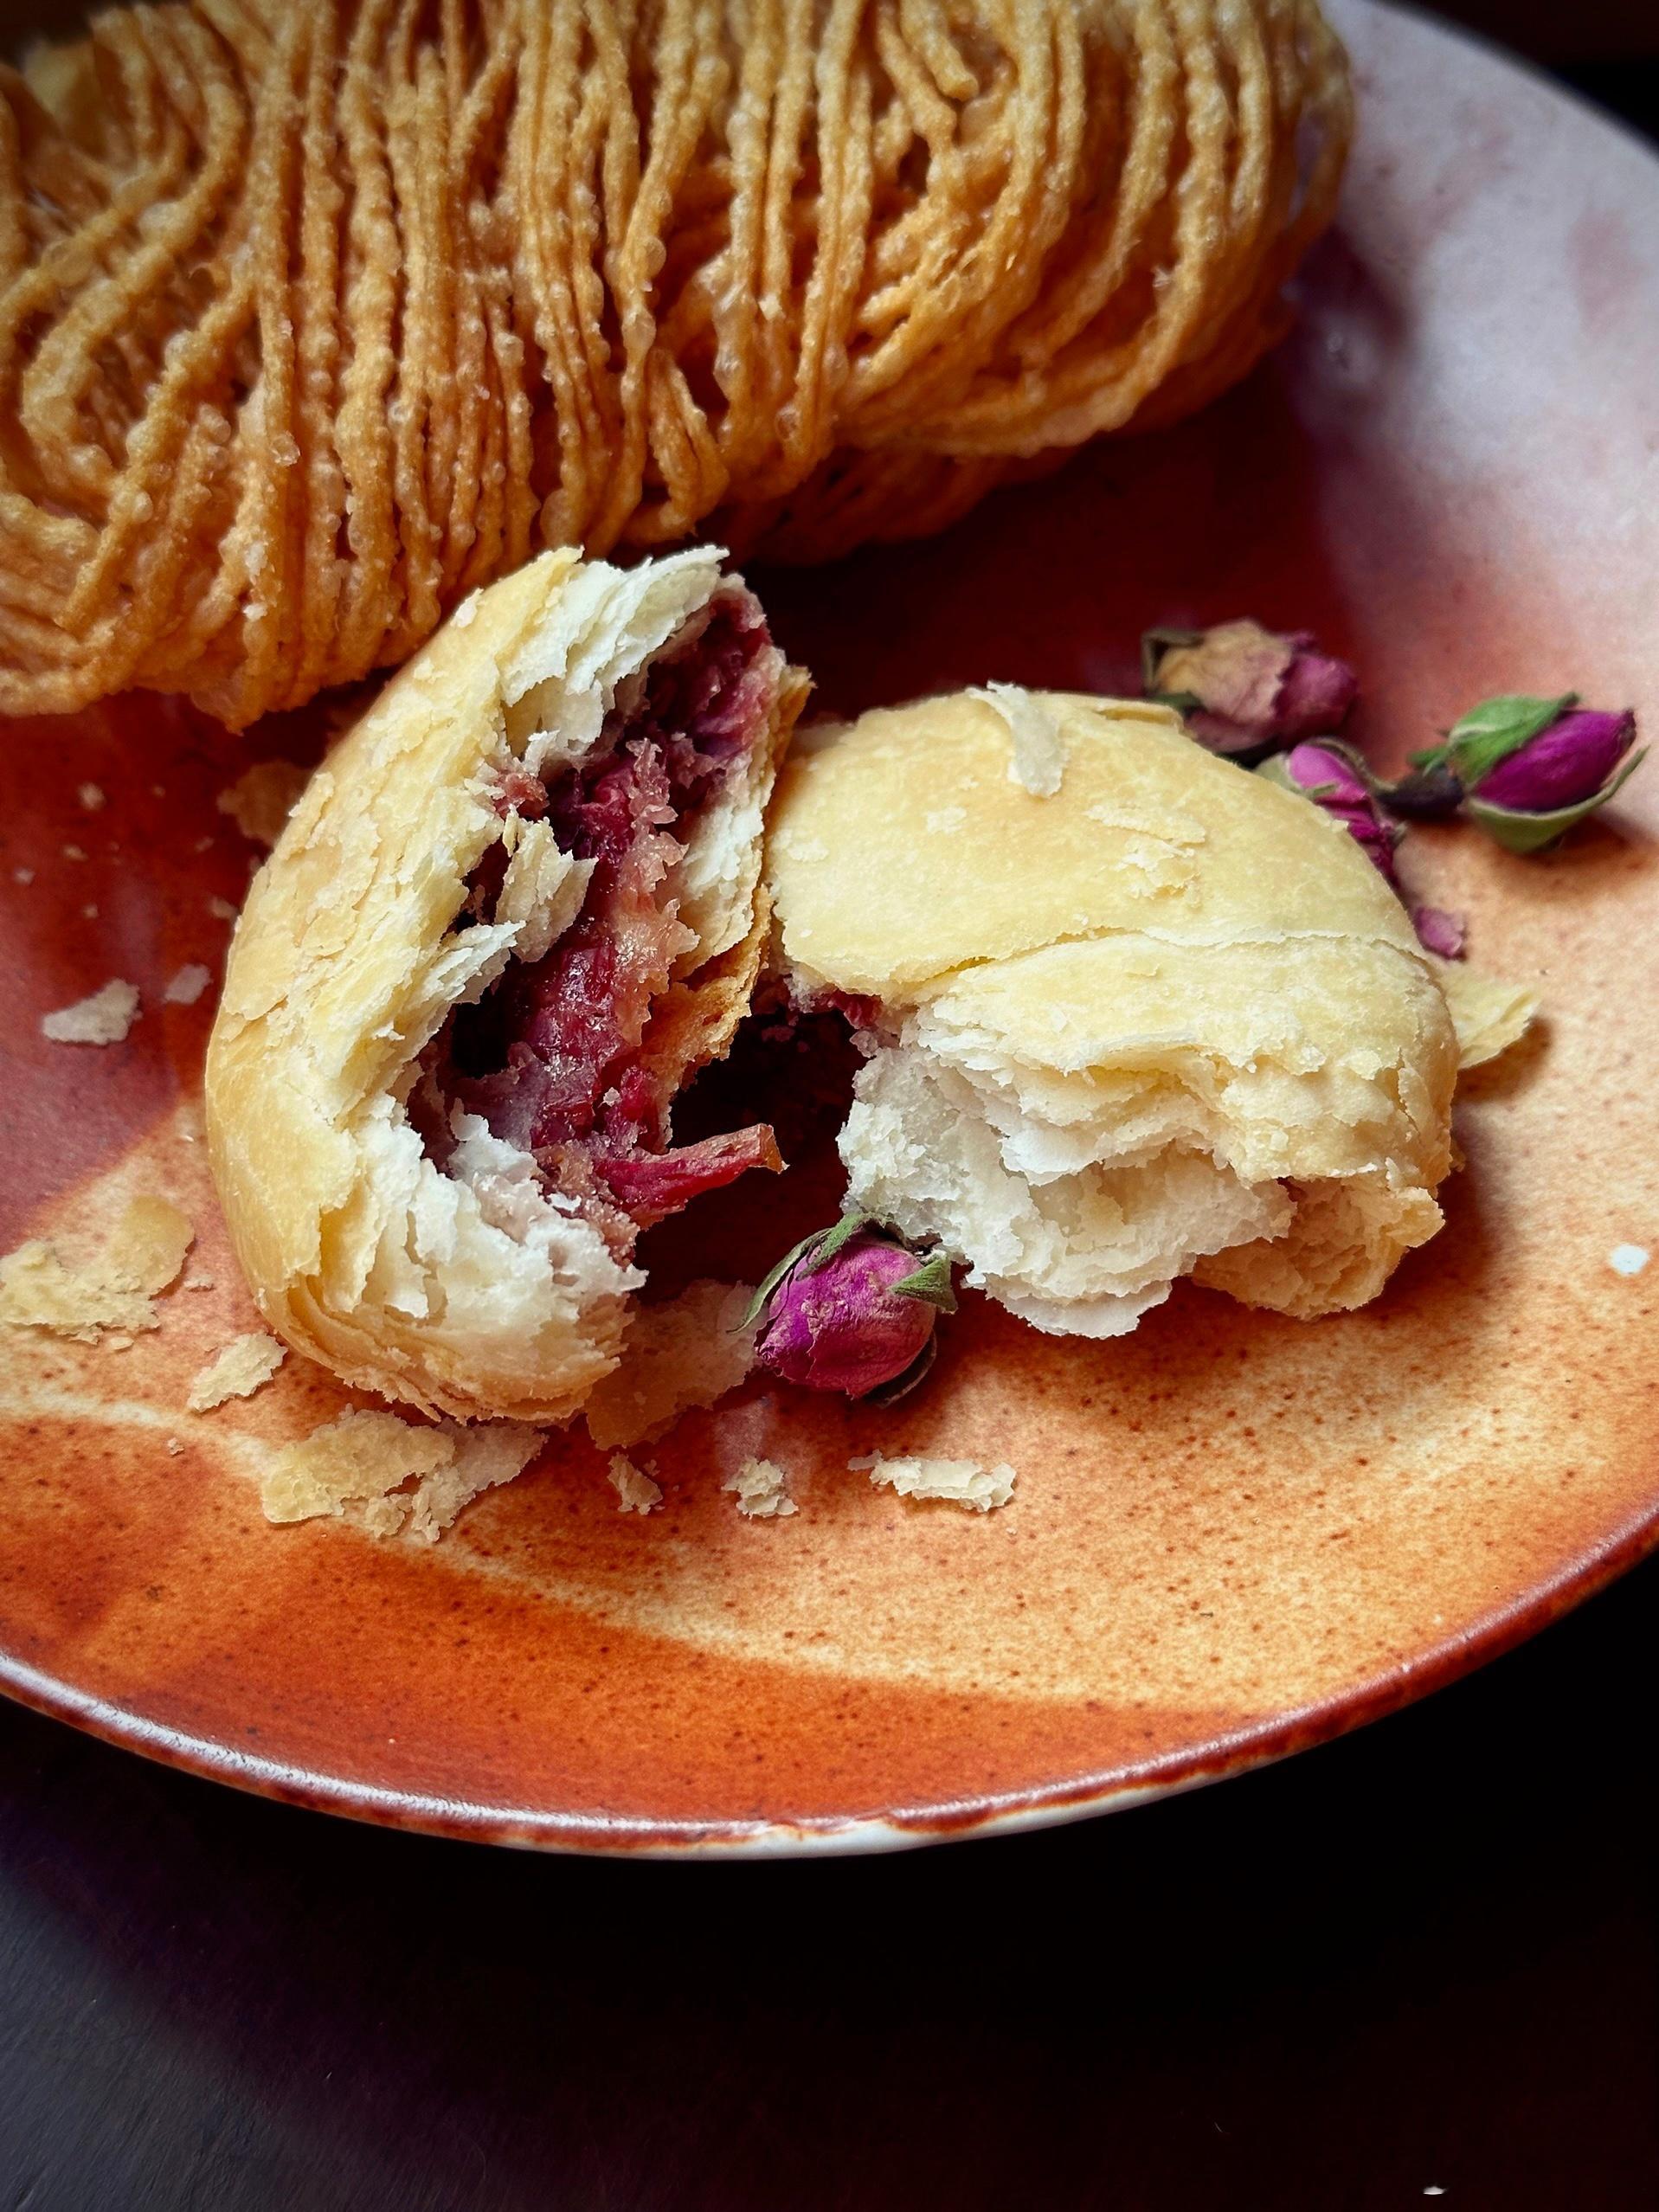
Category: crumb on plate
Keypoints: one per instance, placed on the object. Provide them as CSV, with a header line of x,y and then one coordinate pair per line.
x,y
187,986
685,1353
635,1492
245,1365
107,1299
762,1490
954,1482
104,1018
360,1462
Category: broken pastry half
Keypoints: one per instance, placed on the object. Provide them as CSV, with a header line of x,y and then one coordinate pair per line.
x,y
515,910
1131,1014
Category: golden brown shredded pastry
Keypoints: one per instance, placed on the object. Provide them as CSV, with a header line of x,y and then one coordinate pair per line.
x,y
314,315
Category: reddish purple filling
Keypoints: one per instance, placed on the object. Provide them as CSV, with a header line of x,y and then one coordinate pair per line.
x,y
552,1057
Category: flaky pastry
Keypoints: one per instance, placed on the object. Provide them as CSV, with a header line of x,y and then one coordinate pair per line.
x,y
1135,1013
516,908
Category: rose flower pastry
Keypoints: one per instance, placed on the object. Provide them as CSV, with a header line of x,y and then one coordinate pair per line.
x,y
516,907
1133,1013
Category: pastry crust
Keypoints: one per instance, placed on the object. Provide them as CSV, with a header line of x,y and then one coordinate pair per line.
x,y
1163,1019
473,1291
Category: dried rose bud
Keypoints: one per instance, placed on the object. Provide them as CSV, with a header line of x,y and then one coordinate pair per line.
x,y
1332,777
1245,690
1533,768
852,1309
1568,762
1440,931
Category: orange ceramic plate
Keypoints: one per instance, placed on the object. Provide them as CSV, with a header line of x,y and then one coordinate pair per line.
x,y
1232,1534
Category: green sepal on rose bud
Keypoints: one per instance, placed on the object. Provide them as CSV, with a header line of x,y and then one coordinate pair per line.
x,y
1489,733
931,1282
811,1252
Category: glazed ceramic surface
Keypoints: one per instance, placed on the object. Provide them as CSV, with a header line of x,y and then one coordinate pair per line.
x,y
1231,1534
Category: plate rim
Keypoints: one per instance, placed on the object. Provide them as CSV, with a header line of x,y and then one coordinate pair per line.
x,y
1239,1751
1242,1749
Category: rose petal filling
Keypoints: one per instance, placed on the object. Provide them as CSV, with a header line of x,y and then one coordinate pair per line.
x,y
552,1057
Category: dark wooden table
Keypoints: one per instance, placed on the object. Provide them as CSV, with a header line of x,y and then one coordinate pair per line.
x,y
1422,1960
1423,1957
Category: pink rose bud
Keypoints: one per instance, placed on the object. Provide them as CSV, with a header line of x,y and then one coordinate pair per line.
x,y
1330,776
1567,763
1533,768
852,1309
1245,690
1318,692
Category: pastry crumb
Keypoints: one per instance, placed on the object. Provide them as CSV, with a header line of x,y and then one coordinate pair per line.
x,y
687,1352
107,1299
104,1018
954,1482
245,1365
188,985
73,852
22,875
262,798
359,1455
91,797
174,1447
360,1462
1488,1016
761,1487
635,1492
221,908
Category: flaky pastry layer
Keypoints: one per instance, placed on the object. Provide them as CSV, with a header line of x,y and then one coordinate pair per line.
x,y
468,1287
1142,1014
